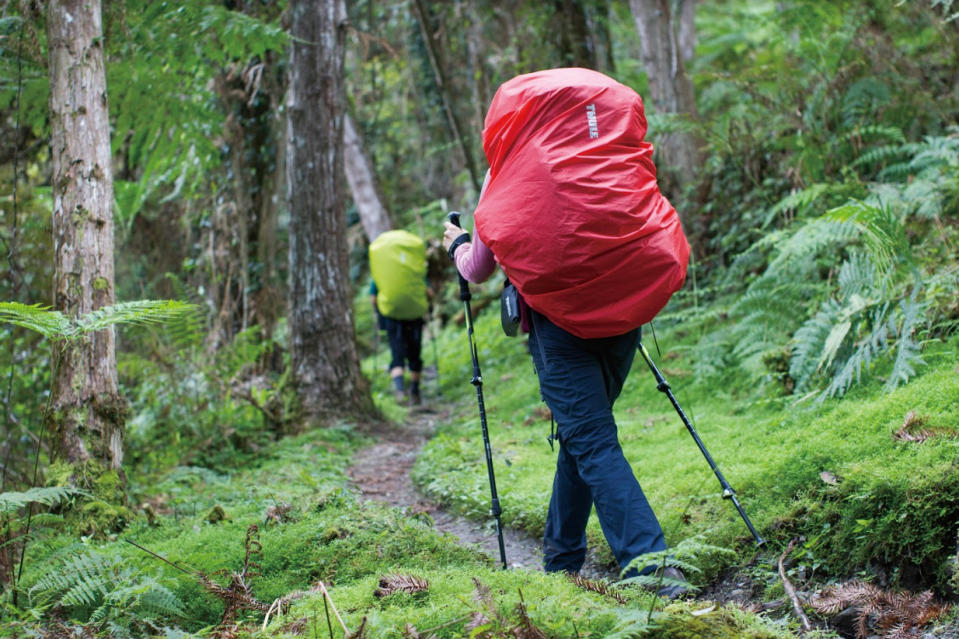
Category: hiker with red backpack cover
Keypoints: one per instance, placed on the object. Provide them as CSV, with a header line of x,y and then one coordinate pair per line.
x,y
571,211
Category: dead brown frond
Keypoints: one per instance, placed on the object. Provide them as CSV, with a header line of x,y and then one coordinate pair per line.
x,y
487,615
483,595
599,587
914,429
894,614
410,632
525,629
400,583
837,598
295,627
477,620
237,596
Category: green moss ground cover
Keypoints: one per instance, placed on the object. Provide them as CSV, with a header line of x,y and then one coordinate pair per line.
x,y
887,508
311,528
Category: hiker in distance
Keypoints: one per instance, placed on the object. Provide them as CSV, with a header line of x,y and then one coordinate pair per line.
x,y
571,211
398,291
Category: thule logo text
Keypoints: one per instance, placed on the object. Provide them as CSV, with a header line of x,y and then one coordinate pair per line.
x,y
591,120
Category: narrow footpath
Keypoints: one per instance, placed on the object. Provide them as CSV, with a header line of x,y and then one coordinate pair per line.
x,y
381,473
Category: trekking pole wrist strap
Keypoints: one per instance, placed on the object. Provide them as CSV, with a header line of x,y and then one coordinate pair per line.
x,y
460,239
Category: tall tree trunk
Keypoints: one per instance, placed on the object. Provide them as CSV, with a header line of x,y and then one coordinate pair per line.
x,y
359,174
670,86
87,410
324,363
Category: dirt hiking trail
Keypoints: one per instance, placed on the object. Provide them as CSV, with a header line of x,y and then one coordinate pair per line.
x,y
381,473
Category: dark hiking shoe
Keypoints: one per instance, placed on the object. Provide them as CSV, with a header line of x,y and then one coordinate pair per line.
x,y
671,588
415,398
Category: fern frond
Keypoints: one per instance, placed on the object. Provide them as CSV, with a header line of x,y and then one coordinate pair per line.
x,y
880,154
863,354
799,200
158,600
809,240
882,231
907,351
50,323
857,275
78,581
808,344
876,131
48,496
599,587
632,623
139,312
410,584
925,197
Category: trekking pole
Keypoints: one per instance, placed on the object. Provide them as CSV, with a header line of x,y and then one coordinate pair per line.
x,y
728,492
477,382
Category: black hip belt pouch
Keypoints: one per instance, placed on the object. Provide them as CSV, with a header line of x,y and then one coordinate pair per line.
x,y
509,309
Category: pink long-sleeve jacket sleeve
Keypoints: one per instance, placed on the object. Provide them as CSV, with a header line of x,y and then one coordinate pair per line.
x,y
475,261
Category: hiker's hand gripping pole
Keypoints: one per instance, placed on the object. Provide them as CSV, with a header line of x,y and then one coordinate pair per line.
x,y
728,492
477,382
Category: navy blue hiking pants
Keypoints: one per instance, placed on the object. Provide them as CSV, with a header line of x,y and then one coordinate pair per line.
x,y
580,380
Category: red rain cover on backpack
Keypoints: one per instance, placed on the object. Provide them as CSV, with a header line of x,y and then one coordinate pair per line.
x,y
572,210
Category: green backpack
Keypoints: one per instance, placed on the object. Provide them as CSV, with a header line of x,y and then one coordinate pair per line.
x,y
398,266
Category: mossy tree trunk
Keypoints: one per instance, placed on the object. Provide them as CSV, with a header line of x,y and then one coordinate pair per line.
x,y
87,411
324,363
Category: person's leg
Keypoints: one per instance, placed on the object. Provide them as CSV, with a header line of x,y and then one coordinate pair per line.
x,y
414,348
580,381
564,541
394,331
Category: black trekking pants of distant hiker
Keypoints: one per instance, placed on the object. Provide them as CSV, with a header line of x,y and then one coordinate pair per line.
x,y
406,342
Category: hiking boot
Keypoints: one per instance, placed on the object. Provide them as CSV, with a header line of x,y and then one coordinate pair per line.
x,y
415,398
672,590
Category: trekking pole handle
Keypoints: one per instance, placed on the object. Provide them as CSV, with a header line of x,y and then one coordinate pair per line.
x,y
454,218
